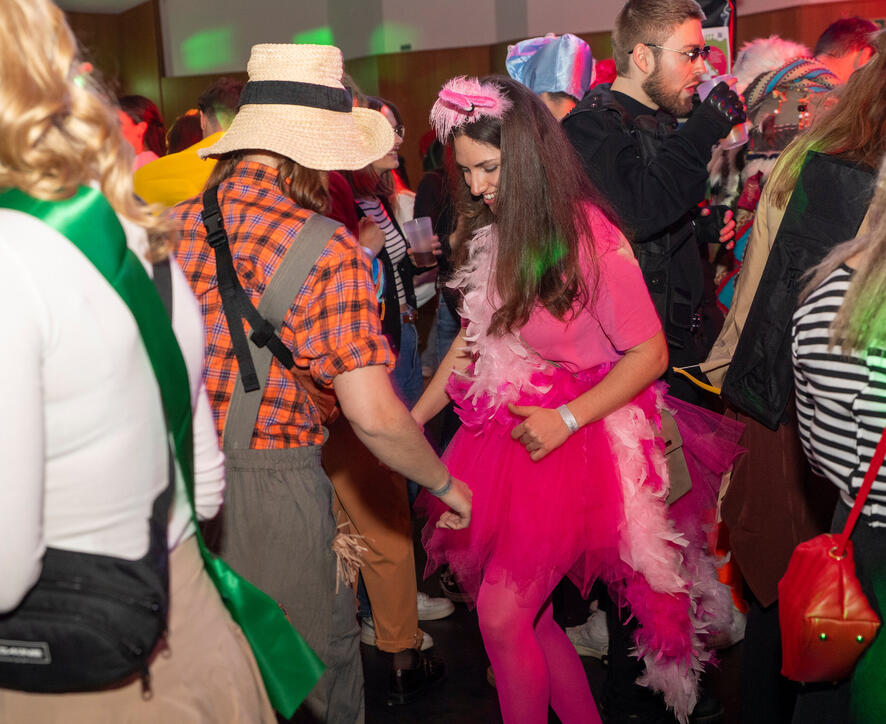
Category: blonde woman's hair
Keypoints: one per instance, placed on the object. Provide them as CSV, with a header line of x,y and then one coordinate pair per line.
x,y
58,128
854,128
861,320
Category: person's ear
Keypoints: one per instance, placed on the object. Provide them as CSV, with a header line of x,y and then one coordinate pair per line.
x,y
140,129
862,57
643,59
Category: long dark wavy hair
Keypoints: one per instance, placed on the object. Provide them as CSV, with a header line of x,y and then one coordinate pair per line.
x,y
304,186
545,242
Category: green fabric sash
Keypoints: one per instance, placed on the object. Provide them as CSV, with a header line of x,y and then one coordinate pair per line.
x,y
288,666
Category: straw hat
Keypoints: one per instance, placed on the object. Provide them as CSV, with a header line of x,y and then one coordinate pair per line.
x,y
295,104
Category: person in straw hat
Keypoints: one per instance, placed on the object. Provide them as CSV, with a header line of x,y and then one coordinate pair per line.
x,y
295,123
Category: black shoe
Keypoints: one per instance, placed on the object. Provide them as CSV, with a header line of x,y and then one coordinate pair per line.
x,y
708,710
450,588
407,684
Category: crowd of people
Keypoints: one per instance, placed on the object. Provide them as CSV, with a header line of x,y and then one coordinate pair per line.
x,y
651,346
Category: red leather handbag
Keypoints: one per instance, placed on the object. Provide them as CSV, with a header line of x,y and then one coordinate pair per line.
x,y
826,620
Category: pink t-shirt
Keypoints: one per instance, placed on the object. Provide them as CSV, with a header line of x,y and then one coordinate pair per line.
x,y
621,317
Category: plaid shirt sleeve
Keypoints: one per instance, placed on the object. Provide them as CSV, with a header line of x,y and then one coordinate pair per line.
x,y
337,327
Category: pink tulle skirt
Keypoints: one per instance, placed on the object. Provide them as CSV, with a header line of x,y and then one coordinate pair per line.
x,y
532,522
595,508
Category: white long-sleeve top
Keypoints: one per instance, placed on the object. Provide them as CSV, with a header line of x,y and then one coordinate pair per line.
x,y
83,448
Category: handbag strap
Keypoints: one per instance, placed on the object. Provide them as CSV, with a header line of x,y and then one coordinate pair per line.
x,y
861,498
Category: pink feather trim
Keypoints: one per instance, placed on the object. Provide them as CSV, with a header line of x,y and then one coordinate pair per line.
x,y
464,100
505,367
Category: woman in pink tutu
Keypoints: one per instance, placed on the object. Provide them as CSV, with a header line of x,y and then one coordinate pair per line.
x,y
553,375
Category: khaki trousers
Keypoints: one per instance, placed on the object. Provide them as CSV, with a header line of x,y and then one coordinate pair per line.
x,y
373,500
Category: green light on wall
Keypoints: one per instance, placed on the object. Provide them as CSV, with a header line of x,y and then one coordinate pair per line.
x,y
391,38
316,36
208,49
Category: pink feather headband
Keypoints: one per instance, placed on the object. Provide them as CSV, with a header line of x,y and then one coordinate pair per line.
x,y
464,100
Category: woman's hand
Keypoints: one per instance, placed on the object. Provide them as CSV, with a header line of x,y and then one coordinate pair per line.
x,y
436,249
541,431
459,501
370,235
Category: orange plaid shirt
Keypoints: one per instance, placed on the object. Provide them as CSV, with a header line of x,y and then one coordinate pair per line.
x,y
332,325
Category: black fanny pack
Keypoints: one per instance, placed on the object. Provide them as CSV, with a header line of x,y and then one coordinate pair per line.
x,y
91,621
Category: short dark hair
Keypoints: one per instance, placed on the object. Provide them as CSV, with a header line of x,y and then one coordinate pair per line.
x,y
846,35
184,132
648,21
220,100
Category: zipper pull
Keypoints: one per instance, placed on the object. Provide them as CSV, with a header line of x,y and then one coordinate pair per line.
x,y
147,692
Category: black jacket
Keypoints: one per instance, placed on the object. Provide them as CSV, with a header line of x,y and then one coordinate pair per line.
x,y
655,174
826,208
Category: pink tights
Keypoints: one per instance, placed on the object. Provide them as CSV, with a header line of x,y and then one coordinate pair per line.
x,y
534,663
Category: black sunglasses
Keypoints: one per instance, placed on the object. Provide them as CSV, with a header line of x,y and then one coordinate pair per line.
x,y
693,54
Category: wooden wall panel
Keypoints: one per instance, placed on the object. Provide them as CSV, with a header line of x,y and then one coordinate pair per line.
x,y
124,48
411,80
181,93
805,23
140,57
100,44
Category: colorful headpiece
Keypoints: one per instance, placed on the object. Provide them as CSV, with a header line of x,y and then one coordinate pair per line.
x,y
465,100
552,64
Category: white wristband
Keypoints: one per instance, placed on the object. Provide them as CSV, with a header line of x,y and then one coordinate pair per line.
x,y
568,418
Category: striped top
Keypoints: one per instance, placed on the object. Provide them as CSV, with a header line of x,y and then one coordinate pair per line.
x,y
841,399
395,244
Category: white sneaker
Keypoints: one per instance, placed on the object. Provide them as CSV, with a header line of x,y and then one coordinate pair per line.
x,y
592,637
431,609
367,634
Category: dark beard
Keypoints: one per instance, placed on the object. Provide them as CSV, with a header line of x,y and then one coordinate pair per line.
x,y
669,101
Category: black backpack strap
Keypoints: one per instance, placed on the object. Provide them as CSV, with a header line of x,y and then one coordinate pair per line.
x,y
236,302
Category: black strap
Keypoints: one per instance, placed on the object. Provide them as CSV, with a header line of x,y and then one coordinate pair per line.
x,y
236,302
295,93
163,282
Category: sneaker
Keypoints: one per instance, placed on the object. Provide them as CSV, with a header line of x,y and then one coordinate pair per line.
x,y
450,588
367,634
592,637
431,609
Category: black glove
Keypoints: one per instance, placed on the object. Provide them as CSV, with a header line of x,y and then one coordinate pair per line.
x,y
724,107
707,227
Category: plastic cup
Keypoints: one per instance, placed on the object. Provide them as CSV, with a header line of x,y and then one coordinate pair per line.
x,y
420,235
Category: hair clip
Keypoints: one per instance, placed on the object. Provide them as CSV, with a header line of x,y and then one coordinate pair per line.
x,y
464,100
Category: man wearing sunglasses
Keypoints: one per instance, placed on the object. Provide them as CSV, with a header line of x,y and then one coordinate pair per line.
x,y
653,172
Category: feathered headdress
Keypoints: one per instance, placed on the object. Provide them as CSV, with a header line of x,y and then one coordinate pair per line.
x,y
464,100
